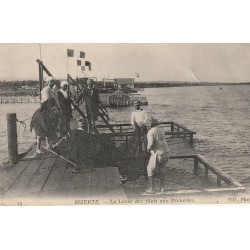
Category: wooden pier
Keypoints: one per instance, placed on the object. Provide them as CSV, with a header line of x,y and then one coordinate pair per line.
x,y
48,177
121,99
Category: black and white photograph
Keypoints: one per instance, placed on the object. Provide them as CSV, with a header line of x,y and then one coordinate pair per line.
x,y
124,123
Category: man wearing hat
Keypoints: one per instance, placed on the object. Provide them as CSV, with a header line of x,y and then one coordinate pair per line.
x,y
47,91
92,102
138,117
65,106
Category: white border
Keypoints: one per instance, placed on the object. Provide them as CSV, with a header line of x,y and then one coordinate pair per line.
x,y
161,227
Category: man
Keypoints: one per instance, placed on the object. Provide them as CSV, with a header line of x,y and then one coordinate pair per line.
x,y
65,107
158,147
44,124
91,98
138,117
47,91
81,149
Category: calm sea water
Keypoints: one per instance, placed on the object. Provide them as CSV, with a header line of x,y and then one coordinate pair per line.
x,y
221,118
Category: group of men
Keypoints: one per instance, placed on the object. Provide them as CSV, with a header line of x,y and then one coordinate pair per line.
x,y
55,112
147,126
56,103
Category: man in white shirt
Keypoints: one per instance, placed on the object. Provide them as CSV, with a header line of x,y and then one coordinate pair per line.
x,y
47,92
138,117
158,147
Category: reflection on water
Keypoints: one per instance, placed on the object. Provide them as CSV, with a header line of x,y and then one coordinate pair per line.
x,y
221,118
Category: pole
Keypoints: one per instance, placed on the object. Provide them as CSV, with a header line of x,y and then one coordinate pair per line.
x,y
40,77
53,152
40,50
12,138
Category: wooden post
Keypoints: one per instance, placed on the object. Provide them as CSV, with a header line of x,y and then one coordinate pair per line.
x,y
206,172
191,138
172,127
12,138
40,77
196,165
218,180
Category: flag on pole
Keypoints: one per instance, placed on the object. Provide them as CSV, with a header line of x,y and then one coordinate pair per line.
x,y
87,63
79,63
82,54
70,53
82,68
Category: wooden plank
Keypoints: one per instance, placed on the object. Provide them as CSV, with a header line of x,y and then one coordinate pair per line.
x,y
225,190
75,184
38,181
25,177
113,178
181,156
81,180
98,181
180,133
8,177
114,185
52,184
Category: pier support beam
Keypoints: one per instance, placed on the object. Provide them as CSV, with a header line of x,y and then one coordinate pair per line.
x,y
12,138
196,164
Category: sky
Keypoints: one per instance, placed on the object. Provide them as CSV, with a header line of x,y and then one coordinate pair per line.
x,y
153,62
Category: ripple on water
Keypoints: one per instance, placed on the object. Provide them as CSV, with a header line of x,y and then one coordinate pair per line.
x,y
220,118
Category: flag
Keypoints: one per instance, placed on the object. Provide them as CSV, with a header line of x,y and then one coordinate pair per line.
x,y
82,68
87,63
82,54
137,75
70,52
79,63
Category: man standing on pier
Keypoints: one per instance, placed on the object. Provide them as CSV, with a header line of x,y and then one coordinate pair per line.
x,y
138,117
65,106
158,147
47,91
91,97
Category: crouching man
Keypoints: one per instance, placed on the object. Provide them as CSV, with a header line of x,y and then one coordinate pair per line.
x,y
80,150
158,147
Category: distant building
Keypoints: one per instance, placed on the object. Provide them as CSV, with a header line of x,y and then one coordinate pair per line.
x,y
125,82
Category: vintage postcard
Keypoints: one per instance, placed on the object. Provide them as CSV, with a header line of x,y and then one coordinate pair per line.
x,y
124,124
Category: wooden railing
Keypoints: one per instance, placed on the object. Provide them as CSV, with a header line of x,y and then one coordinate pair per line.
x,y
221,176
175,129
198,161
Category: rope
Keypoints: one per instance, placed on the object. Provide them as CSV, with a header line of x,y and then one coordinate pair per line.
x,y
23,124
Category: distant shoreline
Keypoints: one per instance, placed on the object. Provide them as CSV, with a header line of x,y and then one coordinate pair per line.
x,y
30,92
183,84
